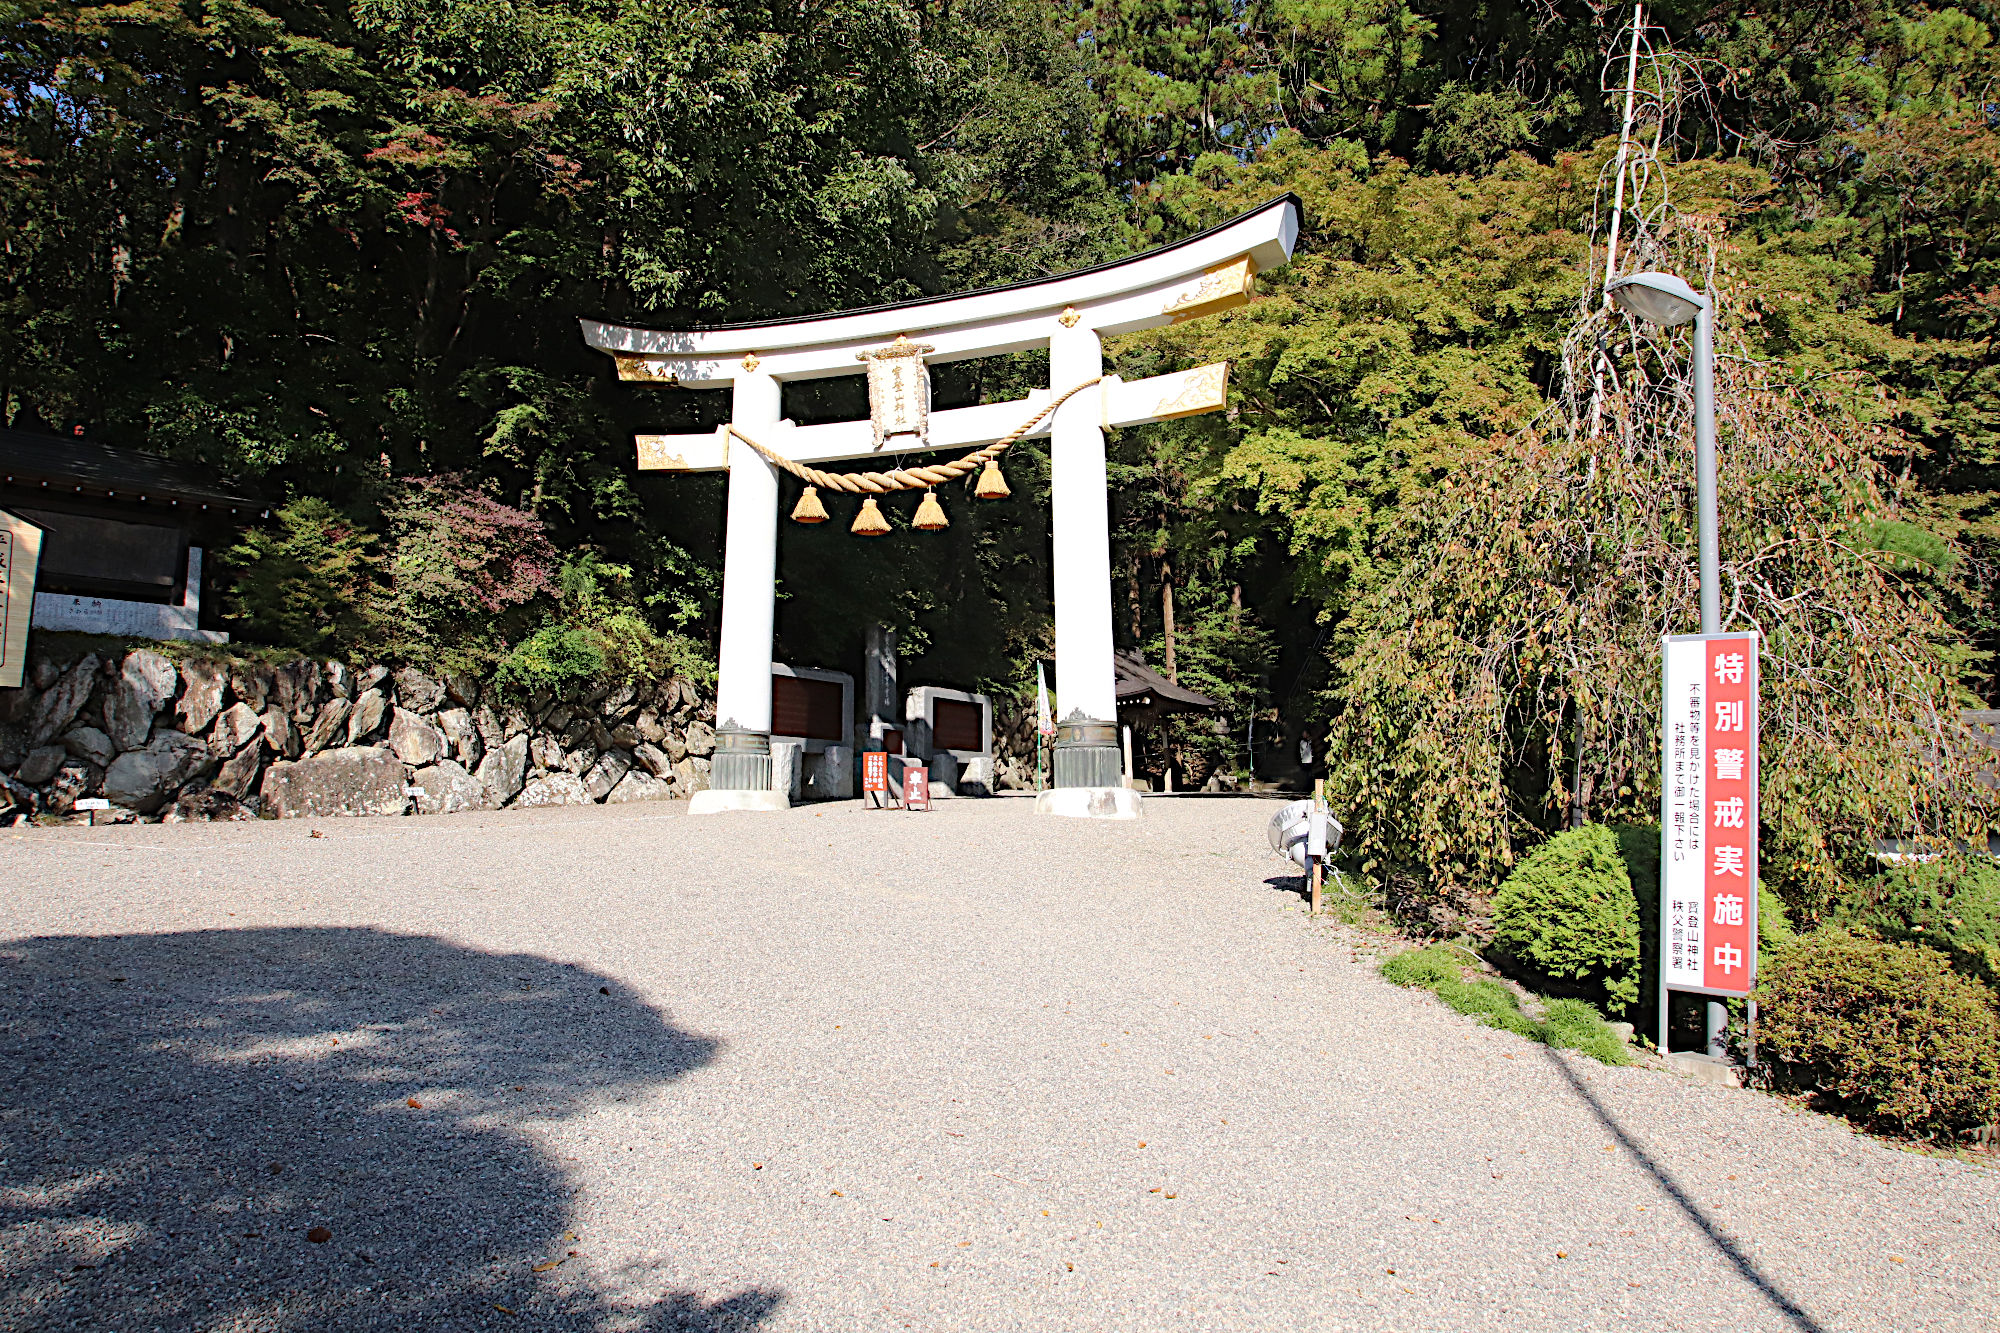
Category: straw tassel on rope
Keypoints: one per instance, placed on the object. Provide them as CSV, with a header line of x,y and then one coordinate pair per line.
x,y
870,522
809,509
992,484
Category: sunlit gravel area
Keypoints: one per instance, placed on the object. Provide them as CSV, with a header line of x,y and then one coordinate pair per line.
x,y
837,1069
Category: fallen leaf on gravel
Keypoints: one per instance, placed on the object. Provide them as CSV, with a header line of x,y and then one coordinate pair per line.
x,y
547,1264
413,1103
276,1167
572,1253
756,1166
1895,1258
836,1194
315,834
1152,1191
604,990
1173,1196
1392,1272
319,1235
1142,1142
1070,1267
1562,1254
503,1309
965,1245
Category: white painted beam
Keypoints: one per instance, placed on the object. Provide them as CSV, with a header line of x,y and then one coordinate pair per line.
x,y
1158,398
1200,276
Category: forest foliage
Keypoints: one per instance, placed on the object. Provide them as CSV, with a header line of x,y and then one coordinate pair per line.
x,y
335,249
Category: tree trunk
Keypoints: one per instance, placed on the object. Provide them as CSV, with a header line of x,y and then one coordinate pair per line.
x,y
1167,616
1133,599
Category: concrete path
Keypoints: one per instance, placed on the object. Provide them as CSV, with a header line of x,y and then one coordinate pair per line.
x,y
616,1068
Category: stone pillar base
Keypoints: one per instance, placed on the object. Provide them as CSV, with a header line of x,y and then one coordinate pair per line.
x,y
713,802
1090,803
742,761
1086,755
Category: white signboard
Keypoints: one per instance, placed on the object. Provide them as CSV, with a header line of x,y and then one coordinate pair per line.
x,y
1708,814
20,556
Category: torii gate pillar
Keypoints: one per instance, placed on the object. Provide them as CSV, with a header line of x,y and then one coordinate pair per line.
x,y
742,764
1070,315
1086,748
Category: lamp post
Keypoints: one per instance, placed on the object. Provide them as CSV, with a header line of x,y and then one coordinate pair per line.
x,y
1665,300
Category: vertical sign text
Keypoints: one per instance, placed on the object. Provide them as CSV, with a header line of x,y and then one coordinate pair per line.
x,y
1708,814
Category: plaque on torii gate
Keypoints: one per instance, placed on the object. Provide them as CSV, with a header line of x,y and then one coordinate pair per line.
x,y
1070,315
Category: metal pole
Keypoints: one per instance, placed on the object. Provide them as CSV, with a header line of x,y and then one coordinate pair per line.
x,y
1664,993
1710,557
1704,468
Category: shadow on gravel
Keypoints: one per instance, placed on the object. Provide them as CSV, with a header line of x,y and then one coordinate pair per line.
x,y
1728,1248
179,1113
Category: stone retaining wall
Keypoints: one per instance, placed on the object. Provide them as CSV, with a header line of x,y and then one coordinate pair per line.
x,y
205,738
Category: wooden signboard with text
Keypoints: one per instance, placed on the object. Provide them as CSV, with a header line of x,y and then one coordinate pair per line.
x,y
916,787
20,557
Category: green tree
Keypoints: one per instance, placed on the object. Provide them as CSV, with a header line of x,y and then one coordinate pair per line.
x,y
309,581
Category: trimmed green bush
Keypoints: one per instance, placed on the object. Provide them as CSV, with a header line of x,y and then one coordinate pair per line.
x,y
1570,1024
1888,1030
1568,912
1948,904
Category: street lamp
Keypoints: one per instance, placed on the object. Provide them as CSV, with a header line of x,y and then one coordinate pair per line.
x,y
1665,300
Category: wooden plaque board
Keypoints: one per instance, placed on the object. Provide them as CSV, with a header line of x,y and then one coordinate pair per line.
x,y
20,558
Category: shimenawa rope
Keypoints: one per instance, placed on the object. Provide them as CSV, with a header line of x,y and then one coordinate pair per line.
x,y
910,478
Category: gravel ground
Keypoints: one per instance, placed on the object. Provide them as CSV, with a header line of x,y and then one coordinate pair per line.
x,y
613,1068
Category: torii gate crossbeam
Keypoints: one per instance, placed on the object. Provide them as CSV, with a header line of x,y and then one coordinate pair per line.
x,y
1070,314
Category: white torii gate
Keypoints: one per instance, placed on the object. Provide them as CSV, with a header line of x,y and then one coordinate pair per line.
x,y
1070,315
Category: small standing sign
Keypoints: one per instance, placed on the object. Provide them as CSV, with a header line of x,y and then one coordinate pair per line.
x,y
1708,816
916,787
875,779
